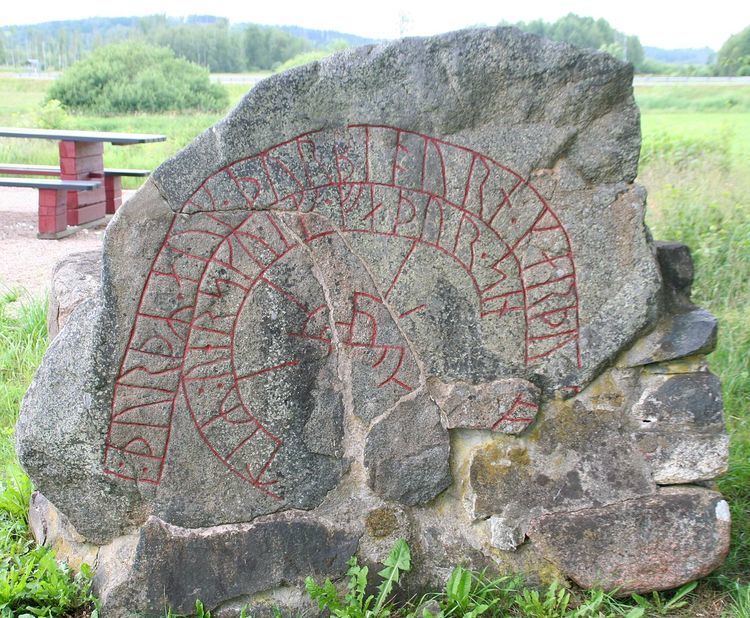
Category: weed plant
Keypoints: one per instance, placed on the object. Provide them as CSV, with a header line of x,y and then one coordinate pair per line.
x,y
470,594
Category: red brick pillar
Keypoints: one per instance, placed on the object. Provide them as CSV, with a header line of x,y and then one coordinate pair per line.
x,y
83,161
53,218
113,191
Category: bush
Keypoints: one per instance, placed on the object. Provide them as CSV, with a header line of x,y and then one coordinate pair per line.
x,y
136,77
51,115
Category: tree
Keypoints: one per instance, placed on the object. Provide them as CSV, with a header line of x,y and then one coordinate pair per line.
x,y
634,52
734,55
589,33
211,44
583,31
152,23
267,48
136,77
613,49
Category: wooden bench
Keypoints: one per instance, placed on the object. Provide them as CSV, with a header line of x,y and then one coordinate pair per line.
x,y
53,216
112,179
113,185
81,157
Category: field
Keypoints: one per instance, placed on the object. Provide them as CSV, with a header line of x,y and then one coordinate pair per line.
x,y
696,167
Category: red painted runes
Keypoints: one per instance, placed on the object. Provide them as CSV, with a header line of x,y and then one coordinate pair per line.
x,y
248,221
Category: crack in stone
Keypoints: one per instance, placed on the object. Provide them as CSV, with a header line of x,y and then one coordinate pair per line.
x,y
605,505
343,367
420,365
163,194
317,273
391,312
343,360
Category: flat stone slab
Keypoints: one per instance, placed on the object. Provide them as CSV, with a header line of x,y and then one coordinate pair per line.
x,y
75,278
676,336
680,426
167,566
406,453
677,271
652,543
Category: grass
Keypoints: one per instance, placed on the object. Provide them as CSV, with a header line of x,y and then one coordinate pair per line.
x,y
32,583
23,340
687,98
696,167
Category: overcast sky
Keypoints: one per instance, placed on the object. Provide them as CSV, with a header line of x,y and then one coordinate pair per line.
x,y
662,23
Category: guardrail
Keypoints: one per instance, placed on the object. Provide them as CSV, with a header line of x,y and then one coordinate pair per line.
x,y
652,80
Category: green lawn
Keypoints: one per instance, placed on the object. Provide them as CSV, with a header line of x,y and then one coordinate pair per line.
x,y
696,167
699,98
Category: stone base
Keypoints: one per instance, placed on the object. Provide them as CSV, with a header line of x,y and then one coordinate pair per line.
x,y
652,543
640,545
163,566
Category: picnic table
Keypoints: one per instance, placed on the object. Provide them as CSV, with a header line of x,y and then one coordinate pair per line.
x,y
81,160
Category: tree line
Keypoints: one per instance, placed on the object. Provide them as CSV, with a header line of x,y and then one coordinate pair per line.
x,y
590,33
211,42
221,47
733,57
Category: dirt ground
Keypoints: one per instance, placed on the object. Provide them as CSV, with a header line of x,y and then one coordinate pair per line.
x,y
25,261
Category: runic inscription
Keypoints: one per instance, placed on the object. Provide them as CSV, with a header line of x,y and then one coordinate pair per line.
x,y
373,243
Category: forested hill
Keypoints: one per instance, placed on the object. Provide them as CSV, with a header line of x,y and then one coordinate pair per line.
x,y
599,34
701,55
208,40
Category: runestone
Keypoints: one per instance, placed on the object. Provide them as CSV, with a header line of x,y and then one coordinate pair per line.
x,y
404,292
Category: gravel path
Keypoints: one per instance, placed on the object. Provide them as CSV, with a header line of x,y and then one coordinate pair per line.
x,y
25,261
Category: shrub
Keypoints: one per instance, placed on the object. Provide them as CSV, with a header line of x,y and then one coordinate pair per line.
x,y
136,77
52,115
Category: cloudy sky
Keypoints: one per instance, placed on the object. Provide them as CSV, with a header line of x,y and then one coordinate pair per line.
x,y
663,23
